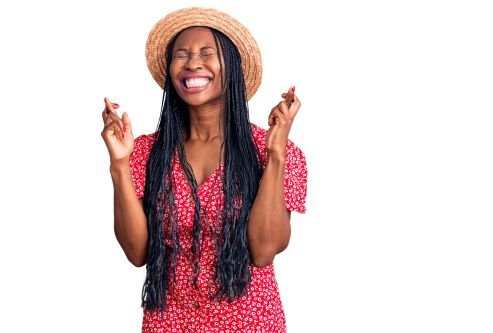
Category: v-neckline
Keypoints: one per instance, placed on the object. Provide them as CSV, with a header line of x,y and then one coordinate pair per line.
x,y
206,180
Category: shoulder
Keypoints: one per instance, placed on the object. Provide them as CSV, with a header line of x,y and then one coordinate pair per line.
x,y
143,144
145,141
295,171
258,132
142,149
138,161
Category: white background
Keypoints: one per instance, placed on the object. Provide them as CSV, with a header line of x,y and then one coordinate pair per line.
x,y
396,126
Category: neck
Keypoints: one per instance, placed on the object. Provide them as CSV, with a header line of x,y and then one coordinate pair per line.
x,y
205,123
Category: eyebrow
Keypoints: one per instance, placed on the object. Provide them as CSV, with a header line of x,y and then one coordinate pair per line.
x,y
201,49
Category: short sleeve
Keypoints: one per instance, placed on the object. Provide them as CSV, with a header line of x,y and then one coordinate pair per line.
x,y
295,171
295,179
138,162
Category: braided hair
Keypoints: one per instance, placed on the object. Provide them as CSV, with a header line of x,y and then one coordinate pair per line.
x,y
240,180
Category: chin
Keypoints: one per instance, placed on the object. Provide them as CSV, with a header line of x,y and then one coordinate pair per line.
x,y
202,101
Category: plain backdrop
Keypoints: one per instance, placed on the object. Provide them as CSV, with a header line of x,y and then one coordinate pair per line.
x,y
395,122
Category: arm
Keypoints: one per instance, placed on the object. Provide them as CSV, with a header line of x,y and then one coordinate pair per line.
x,y
130,222
269,226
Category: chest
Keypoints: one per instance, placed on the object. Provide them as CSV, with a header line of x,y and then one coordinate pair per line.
x,y
210,203
203,158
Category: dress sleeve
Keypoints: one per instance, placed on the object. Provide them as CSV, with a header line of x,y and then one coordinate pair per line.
x,y
138,162
295,179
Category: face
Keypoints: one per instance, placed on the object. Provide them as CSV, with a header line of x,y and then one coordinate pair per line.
x,y
195,68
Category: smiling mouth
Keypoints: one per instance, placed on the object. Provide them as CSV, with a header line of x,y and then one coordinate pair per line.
x,y
198,82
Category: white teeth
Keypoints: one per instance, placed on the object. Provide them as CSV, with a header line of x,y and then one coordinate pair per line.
x,y
196,82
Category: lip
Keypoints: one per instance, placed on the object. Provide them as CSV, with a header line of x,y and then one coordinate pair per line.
x,y
188,76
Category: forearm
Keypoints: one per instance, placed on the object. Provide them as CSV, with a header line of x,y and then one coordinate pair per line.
x,y
269,227
130,220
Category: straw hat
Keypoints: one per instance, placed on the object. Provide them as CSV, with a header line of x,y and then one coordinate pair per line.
x,y
168,27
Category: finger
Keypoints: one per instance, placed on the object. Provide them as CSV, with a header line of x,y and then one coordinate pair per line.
x,y
114,128
114,117
109,130
294,107
127,125
278,117
283,107
289,96
281,114
106,112
106,117
270,118
109,106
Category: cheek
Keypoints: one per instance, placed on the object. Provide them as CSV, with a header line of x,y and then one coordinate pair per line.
x,y
217,73
173,69
173,75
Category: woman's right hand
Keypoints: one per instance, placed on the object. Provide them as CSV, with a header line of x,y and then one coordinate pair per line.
x,y
117,133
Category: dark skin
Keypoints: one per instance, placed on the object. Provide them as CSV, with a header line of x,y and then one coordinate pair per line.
x,y
202,145
195,74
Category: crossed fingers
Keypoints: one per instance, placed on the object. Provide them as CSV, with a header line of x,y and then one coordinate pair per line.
x,y
285,111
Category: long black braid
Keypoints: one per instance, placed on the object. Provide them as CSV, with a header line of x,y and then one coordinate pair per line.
x,y
240,179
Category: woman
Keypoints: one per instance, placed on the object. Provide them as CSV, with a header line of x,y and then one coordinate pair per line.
x,y
205,201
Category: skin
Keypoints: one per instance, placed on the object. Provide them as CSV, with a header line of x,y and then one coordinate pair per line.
x,y
204,138
269,225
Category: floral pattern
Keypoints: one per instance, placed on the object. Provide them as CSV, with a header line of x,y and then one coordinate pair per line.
x,y
191,309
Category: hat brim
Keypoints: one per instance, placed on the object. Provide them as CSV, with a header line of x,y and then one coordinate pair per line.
x,y
168,27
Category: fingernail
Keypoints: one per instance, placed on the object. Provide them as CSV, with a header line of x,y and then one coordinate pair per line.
x,y
124,128
292,89
116,105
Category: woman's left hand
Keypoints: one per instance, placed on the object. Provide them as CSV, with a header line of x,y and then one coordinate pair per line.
x,y
280,121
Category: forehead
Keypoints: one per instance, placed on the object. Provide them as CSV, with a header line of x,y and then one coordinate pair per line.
x,y
195,36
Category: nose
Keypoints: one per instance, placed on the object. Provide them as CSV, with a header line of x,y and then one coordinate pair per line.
x,y
194,61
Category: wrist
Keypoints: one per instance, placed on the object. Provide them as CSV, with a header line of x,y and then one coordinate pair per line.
x,y
118,167
276,156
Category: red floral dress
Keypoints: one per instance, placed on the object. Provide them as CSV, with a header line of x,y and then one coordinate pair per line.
x,y
191,309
